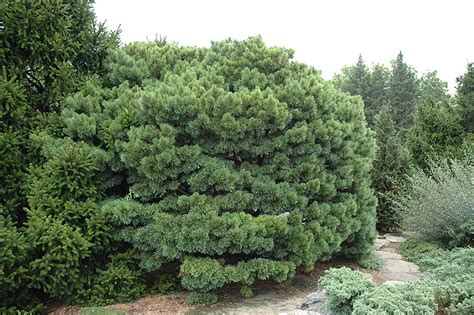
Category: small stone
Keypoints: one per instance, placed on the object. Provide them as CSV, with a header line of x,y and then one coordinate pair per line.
x,y
387,255
393,282
394,265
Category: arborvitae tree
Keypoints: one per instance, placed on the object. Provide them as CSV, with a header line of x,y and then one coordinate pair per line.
x,y
234,162
437,131
391,164
465,98
403,91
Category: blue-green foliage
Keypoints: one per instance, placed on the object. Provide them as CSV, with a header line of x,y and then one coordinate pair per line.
x,y
446,285
449,272
232,160
409,298
343,286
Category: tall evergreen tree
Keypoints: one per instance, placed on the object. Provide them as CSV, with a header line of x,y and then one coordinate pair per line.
x,y
378,92
465,98
356,80
391,164
403,91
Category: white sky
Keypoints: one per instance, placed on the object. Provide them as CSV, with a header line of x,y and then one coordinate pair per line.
x,y
433,34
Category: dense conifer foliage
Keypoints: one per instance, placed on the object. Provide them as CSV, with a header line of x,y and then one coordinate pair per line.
x,y
52,237
234,161
47,49
465,98
392,163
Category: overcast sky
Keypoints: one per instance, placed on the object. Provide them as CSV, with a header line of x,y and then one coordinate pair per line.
x,y
433,34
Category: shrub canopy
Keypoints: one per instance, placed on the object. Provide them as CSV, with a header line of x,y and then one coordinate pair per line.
x,y
233,160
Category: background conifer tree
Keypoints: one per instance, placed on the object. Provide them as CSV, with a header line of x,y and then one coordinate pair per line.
x,y
391,164
403,91
465,98
437,132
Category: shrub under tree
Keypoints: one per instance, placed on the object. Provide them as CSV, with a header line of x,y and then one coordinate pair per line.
x,y
235,162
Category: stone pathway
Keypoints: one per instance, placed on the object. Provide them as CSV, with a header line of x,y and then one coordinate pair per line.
x,y
395,269
296,301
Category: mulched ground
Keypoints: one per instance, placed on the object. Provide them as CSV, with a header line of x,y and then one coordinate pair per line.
x,y
177,303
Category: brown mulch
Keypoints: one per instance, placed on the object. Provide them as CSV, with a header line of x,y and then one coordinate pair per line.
x,y
154,304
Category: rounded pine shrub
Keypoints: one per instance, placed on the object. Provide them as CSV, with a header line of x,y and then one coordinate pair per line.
x,y
233,161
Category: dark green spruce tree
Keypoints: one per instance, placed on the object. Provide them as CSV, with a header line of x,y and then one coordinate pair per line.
x,y
48,49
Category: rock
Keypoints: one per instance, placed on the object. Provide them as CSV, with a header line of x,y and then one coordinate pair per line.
x,y
395,238
300,312
314,301
413,268
393,282
399,276
381,243
387,255
395,265
388,250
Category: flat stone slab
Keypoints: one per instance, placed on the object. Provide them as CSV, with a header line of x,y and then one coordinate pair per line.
x,y
314,301
393,282
300,312
413,268
395,265
394,237
388,250
380,243
387,255
399,276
